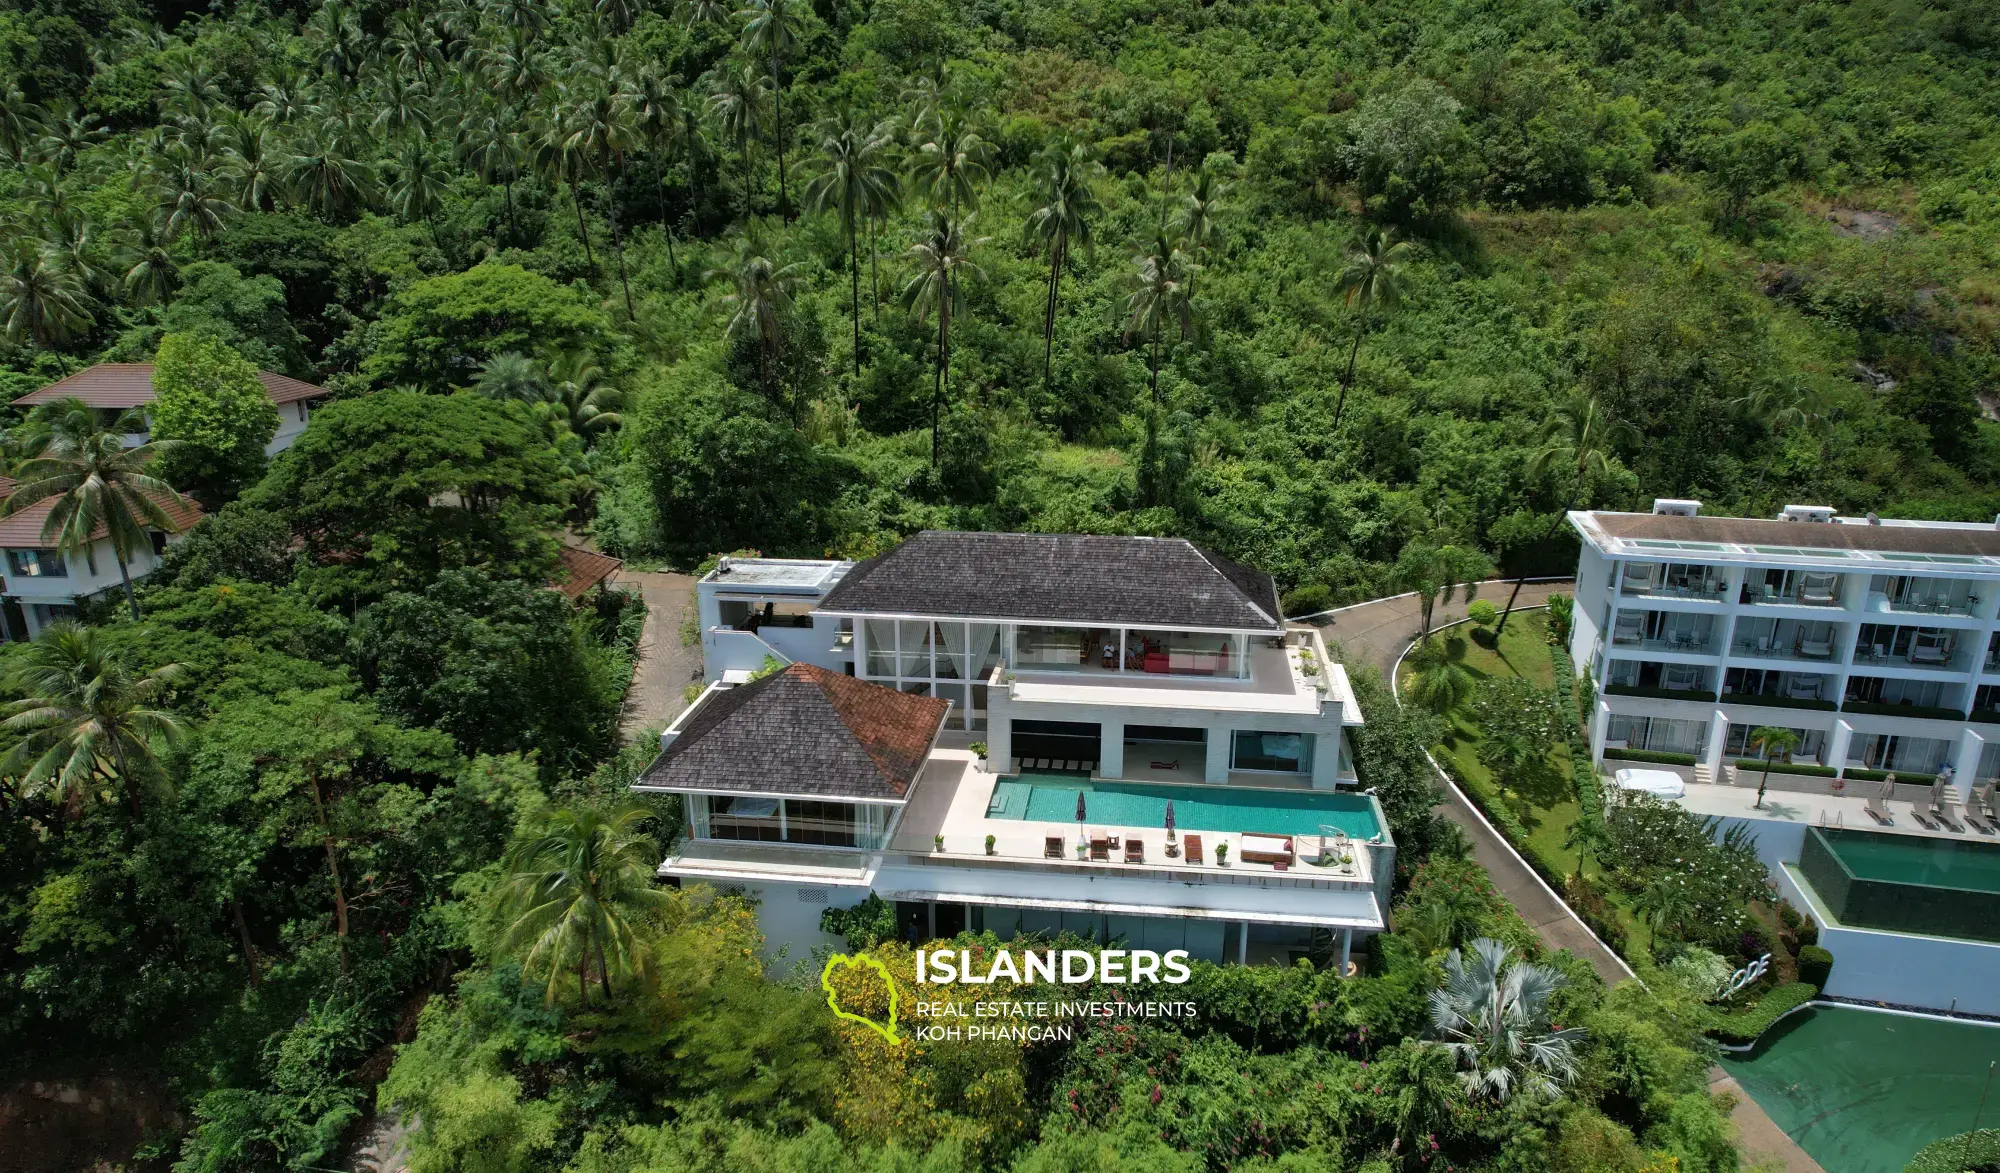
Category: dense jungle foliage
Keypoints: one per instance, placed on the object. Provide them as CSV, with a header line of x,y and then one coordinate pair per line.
x,y
1316,283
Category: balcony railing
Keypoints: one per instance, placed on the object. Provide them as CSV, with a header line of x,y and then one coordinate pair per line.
x,y
1710,590
1797,596
1809,650
1928,605
1678,641
1957,660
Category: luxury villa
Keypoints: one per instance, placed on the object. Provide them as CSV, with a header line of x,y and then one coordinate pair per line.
x,y
1117,737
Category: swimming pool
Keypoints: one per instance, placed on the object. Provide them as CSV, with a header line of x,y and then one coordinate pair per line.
x,y
1051,798
1905,883
1861,1091
1914,859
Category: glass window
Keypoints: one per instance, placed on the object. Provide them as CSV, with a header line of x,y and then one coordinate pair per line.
x,y
1287,753
754,819
37,564
826,824
1045,648
1183,653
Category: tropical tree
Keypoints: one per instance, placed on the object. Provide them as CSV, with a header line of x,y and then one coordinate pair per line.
x,y
1159,282
659,116
760,290
326,178
942,259
1372,278
736,103
854,183
1492,1016
1424,1098
583,390
1771,741
602,130
1434,573
419,187
1780,408
1663,903
1577,434
513,376
1065,200
1439,680
771,28
146,267
1199,221
85,718
42,302
100,487
578,896
189,197
949,162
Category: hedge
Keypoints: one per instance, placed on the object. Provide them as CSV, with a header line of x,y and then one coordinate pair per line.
x,y
1504,820
1855,774
1928,712
1956,1154
1815,964
1743,1029
1649,755
1660,694
1582,771
1756,766
1776,702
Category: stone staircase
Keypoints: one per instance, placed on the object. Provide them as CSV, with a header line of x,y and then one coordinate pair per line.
x,y
1703,776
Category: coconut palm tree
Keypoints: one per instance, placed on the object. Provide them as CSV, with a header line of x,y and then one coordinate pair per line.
x,y
942,259
1065,199
145,265
100,487
1199,221
760,290
250,163
1435,573
20,123
1772,741
854,180
771,28
1780,408
494,152
84,720
1492,1016
190,196
64,138
577,897
659,116
949,163
1578,434
555,158
589,400
736,103
41,302
418,189
1159,295
1372,278
602,130
325,177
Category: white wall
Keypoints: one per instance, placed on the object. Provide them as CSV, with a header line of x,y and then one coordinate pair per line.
x,y
790,925
1937,973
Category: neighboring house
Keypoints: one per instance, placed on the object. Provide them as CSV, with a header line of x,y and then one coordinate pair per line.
x,y
580,570
46,584
1875,640
115,386
1124,672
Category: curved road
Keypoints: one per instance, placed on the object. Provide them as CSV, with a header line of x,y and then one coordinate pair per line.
x,y
1376,633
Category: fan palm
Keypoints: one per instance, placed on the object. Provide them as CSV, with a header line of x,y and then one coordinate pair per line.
x,y
100,487
513,376
854,181
760,290
1065,200
1492,1016
578,895
1772,741
1159,295
41,302
942,258
1372,278
84,720
771,28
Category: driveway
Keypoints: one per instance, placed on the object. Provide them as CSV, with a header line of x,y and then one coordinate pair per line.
x,y
664,666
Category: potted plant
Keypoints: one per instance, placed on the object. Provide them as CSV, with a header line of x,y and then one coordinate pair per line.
x,y
989,844
1082,850
1222,855
979,750
937,843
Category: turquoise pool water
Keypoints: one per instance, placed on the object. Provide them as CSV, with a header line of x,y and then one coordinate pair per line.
x,y
1862,1091
1051,798
1912,859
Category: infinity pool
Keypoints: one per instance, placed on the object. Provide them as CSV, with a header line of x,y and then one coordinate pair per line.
x,y
1913,859
1051,798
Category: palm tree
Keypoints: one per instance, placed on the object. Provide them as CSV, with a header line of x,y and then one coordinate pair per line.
x,y
1373,277
324,177
20,123
736,102
1435,573
1662,903
941,259
1780,409
100,487
589,400
250,160
1772,741
577,895
63,139
771,27
602,129
1576,434
760,290
556,159
494,152
84,719
1439,680
419,187
852,182
1200,220
42,302
146,266
949,163
514,377
189,196
1159,295
658,115
1492,1016
1065,200
1423,1098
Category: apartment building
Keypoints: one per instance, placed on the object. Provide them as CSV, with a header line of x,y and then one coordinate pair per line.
x,y
118,386
1875,640
995,732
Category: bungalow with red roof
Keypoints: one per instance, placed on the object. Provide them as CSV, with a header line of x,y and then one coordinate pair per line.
x,y
117,386
43,583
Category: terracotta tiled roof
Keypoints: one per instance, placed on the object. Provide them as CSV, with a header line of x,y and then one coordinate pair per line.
x,y
806,732
582,569
118,385
23,530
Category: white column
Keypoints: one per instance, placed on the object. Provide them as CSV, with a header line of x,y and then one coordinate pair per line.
x,y
1111,749
1216,769
1837,743
1346,949
1600,720
999,737
1243,943
1718,735
1326,759
1965,760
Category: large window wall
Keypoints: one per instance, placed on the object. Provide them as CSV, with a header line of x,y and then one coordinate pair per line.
x,y
806,821
943,658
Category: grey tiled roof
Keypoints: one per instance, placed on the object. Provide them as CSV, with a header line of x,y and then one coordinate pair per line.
x,y
1750,531
804,732
1079,578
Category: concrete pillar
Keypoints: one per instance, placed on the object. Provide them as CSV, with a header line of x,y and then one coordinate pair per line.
x,y
1965,761
1718,736
1111,750
1216,770
1326,758
999,740
1599,720
1837,743
1346,948
1243,943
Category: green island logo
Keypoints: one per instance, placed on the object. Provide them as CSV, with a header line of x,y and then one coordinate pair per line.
x,y
843,961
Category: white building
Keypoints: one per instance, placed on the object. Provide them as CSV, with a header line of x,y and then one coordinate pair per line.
x,y
1117,674
1875,640
45,583
118,386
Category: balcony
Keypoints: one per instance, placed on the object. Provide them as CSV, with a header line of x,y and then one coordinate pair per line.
x,y
1933,649
1297,678
1778,690
1664,631
1787,639
1900,595
1794,589
1674,580
1675,682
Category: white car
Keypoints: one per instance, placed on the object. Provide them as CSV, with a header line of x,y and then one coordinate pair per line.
x,y
1658,783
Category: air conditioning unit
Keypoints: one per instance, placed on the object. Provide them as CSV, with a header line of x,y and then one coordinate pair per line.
x,y
1806,513
1676,507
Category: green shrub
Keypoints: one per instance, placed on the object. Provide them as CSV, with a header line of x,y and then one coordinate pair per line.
x,y
864,926
1755,766
1649,755
1310,599
1969,1152
1483,613
1743,1028
1814,965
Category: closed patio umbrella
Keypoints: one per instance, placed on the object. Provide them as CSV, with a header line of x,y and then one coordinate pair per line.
x,y
1171,849
1079,816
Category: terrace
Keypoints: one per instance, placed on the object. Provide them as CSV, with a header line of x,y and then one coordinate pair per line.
x,y
1674,580
1787,639
1936,649
1923,596
1297,677
1793,588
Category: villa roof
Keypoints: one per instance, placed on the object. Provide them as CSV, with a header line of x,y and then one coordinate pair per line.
x,y
23,530
1891,538
119,385
805,732
581,569
1065,578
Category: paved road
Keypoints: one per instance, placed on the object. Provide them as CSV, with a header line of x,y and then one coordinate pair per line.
x,y
665,665
1376,634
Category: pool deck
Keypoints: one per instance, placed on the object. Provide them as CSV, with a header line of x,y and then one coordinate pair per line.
x,y
1818,810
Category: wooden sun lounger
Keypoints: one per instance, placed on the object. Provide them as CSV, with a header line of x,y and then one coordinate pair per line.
x,y
1193,852
1052,847
1100,850
1135,851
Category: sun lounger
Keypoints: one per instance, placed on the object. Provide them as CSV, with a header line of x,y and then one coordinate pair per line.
x,y
1992,807
1100,850
1266,849
1876,809
1193,852
1135,851
1052,847
1975,811
1924,810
